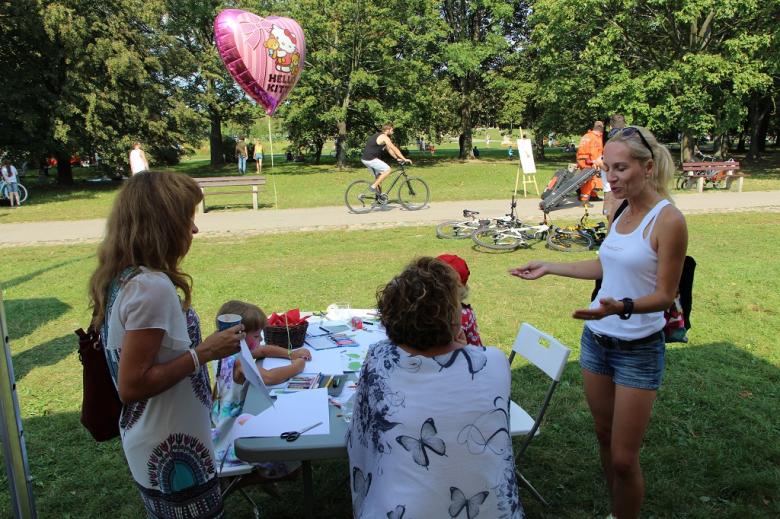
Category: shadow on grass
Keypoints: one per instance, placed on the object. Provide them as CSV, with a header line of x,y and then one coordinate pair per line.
x,y
32,275
713,442
27,315
46,354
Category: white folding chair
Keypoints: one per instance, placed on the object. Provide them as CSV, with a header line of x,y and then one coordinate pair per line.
x,y
549,355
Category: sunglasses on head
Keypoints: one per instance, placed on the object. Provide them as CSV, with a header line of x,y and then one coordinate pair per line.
x,y
628,131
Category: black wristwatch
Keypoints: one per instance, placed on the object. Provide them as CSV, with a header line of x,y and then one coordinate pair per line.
x,y
628,308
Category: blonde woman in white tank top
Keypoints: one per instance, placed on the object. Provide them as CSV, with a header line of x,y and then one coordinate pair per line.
x,y
622,348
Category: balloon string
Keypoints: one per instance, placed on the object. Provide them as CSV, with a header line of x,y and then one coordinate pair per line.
x,y
271,142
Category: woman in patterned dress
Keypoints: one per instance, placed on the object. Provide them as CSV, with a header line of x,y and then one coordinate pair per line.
x,y
429,436
154,348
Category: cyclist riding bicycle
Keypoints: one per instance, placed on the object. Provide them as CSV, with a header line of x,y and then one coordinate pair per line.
x,y
375,145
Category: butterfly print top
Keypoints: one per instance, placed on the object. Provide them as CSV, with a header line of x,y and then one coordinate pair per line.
x,y
429,437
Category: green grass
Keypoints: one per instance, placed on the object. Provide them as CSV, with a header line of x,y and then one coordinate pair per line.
x,y
712,449
306,185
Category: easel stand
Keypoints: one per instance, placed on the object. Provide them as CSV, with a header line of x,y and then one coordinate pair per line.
x,y
528,179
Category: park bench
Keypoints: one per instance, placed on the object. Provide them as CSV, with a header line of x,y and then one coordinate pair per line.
x,y
230,186
718,174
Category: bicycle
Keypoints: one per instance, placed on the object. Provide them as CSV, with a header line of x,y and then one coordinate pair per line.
x,y
718,178
508,232
413,193
5,191
461,229
577,238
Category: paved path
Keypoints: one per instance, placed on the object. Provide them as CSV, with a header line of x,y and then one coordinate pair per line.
x,y
330,218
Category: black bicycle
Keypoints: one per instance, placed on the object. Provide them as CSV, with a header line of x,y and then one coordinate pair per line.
x,y
411,192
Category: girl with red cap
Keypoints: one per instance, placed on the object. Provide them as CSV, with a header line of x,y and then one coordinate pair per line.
x,y
468,319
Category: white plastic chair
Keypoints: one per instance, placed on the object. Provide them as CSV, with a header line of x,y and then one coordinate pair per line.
x,y
548,354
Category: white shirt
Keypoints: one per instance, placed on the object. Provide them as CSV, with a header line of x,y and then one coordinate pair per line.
x,y
137,161
10,176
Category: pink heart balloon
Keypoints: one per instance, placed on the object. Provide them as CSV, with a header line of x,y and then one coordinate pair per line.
x,y
264,55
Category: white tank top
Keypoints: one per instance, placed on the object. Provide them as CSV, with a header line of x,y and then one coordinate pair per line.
x,y
630,267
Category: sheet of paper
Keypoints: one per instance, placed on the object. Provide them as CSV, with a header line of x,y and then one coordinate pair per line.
x,y
327,362
252,374
293,412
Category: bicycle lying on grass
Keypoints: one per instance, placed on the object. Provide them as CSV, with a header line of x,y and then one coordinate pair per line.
x,y
461,229
508,233
577,238
412,193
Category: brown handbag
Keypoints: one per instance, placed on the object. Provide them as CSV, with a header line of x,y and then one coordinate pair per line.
x,y
100,404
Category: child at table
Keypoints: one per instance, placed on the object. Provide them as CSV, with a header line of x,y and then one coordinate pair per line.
x,y
468,319
229,391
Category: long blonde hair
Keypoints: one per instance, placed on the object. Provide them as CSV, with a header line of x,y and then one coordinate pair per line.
x,y
149,225
663,164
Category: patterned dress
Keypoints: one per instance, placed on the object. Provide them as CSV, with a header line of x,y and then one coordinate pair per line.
x,y
166,438
468,321
429,437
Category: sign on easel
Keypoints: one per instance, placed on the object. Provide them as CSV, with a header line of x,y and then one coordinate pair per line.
x,y
526,154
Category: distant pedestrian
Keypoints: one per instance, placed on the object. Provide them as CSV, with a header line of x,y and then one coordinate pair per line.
x,y
487,140
242,154
138,162
475,151
10,177
258,156
510,152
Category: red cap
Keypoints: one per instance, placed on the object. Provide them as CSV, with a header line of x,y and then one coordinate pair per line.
x,y
458,263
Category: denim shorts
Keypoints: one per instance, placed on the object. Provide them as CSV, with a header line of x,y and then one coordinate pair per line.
x,y
13,187
640,365
377,166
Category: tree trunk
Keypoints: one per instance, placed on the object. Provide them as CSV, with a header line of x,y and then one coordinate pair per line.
x,y
741,142
539,146
341,141
64,171
318,150
687,146
465,139
721,148
215,140
758,110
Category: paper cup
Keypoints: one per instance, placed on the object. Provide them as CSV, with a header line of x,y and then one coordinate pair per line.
x,y
226,321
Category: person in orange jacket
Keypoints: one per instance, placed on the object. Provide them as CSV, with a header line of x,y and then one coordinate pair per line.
x,y
589,157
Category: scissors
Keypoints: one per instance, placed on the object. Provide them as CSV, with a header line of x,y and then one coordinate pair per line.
x,y
291,436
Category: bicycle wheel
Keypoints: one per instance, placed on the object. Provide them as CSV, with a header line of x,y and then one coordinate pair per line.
x,y
414,194
22,193
359,198
568,241
497,239
536,232
456,230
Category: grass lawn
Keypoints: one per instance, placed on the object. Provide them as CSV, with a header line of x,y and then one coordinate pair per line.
x,y
307,185
712,450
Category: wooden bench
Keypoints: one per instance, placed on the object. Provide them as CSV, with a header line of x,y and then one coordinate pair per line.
x,y
719,174
230,182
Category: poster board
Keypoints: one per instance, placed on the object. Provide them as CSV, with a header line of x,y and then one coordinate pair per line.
x,y
525,151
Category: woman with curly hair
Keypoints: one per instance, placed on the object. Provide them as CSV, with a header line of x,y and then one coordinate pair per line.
x,y
153,345
430,431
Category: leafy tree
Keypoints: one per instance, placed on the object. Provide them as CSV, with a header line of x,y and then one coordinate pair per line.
x,y
365,64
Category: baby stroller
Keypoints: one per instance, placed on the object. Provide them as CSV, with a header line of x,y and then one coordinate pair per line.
x,y
563,186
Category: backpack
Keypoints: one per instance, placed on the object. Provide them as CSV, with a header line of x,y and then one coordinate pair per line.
x,y
678,316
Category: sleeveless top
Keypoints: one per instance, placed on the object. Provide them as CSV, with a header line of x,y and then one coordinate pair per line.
x,y
136,162
630,268
372,150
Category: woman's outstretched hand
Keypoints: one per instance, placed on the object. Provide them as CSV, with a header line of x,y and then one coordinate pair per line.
x,y
607,306
531,270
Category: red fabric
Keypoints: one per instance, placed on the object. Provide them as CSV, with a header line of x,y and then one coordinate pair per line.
x,y
289,318
468,321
